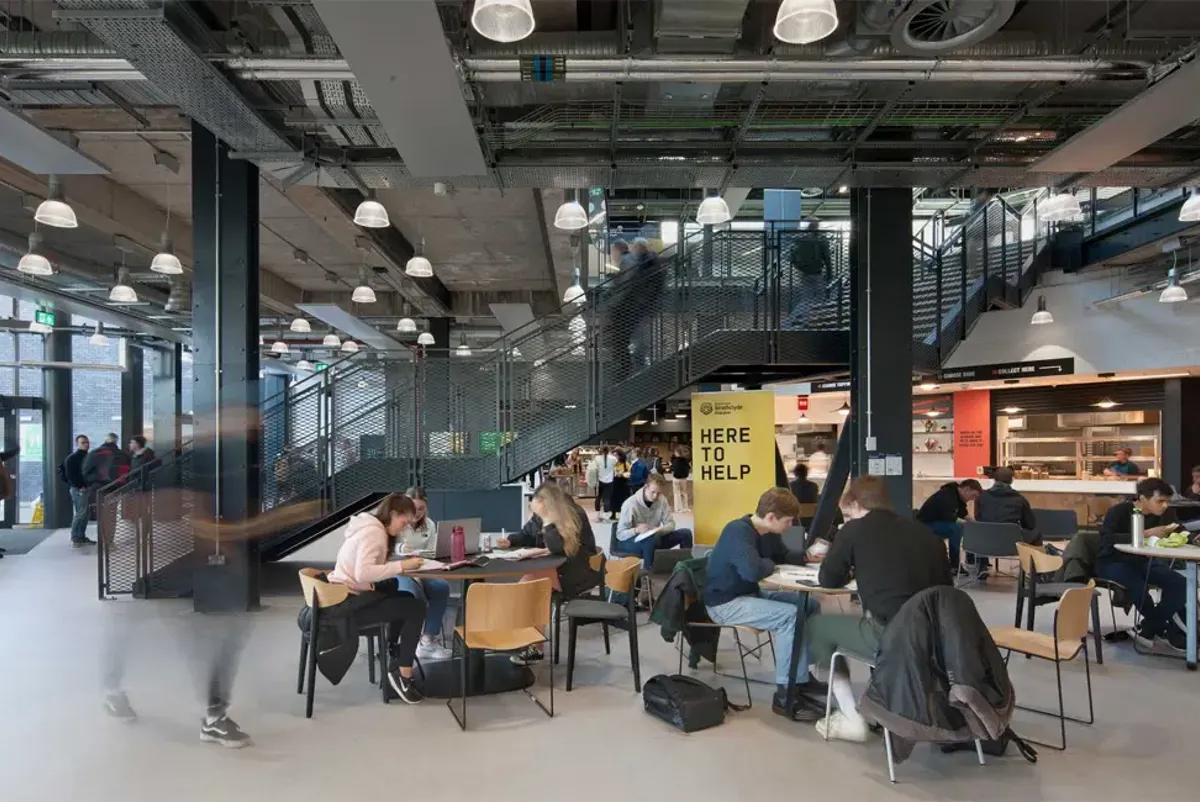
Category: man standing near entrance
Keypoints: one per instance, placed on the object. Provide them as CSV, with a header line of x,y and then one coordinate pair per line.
x,y
71,472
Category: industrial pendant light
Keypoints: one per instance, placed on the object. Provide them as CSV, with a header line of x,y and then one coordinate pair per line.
x,y
331,340
801,22
279,348
713,211
371,213
844,409
1190,213
425,338
419,266
406,324
571,216
515,353
575,293
503,20
463,349
99,339
304,364
1106,403
165,261
122,293
363,294
349,347
1173,294
301,326
1062,208
1042,316
33,263
54,211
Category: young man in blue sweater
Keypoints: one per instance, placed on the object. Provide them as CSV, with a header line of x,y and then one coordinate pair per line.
x,y
746,553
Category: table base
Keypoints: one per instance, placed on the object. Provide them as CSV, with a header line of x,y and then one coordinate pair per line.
x,y
495,673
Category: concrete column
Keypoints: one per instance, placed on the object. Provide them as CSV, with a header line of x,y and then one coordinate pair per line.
x,y
132,392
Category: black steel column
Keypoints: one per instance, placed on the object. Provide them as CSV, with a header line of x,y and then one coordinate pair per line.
x,y
881,356
226,394
1180,431
167,398
57,437
132,393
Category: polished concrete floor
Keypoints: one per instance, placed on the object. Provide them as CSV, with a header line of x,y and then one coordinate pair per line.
x,y
58,744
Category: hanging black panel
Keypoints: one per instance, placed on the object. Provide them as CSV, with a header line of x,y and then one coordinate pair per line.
x,y
1080,397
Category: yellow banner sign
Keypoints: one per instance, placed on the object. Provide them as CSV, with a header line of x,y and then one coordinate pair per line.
x,y
733,454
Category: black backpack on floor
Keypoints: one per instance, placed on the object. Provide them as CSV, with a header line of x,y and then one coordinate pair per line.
x,y
685,703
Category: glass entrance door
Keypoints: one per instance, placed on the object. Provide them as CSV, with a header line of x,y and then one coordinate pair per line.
x,y
30,465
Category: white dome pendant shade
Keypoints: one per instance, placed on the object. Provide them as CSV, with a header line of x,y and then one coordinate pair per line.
x,y
418,266
1062,208
1173,294
349,347
54,211
571,216
301,326
33,263
407,326
371,213
575,293
463,349
331,341
165,261
801,22
1190,213
1042,316
713,211
304,364
122,293
503,20
279,348
99,339
363,294
425,339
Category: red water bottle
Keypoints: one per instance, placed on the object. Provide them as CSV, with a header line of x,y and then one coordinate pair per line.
x,y
458,545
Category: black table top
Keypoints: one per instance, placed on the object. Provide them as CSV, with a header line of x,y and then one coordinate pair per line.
x,y
496,568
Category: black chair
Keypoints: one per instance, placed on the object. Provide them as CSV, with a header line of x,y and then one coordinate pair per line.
x,y
620,577
994,540
1034,563
558,599
1056,524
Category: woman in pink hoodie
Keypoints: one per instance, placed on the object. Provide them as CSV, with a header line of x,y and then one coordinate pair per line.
x,y
363,566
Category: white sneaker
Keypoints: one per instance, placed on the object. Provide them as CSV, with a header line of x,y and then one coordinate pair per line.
x,y
841,728
433,650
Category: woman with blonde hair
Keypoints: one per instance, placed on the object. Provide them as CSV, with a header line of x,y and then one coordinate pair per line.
x,y
562,527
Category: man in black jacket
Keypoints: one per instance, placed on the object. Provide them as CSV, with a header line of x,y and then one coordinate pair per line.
x,y
945,509
732,596
1000,504
105,464
1162,622
71,472
141,454
893,558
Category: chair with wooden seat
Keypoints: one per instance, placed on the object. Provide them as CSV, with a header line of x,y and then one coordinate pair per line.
x,y
620,577
1034,561
503,618
1069,638
322,597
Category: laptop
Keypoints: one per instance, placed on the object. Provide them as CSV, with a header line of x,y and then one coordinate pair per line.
x,y
471,528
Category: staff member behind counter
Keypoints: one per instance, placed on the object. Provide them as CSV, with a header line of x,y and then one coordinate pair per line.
x,y
1123,466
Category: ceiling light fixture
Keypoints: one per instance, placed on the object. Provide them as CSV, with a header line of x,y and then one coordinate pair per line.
x,y
54,211
122,293
407,326
928,384
301,326
843,190
1173,294
371,213
570,406
33,263
933,413
1190,212
503,20
844,409
418,266
1042,316
1011,410
331,340
425,338
99,338
349,347
571,216
279,348
713,211
802,22
304,364
463,349
515,353
165,261
680,415
575,293
1105,403
40,328
1061,208
363,294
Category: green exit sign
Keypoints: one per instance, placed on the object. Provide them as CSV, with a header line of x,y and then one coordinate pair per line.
x,y
43,317
320,365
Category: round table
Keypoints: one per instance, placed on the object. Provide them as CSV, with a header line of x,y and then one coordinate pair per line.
x,y
780,581
487,673
1191,556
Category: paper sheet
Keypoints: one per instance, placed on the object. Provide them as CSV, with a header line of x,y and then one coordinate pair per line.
x,y
649,533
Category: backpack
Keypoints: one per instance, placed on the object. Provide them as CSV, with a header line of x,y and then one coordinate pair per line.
x,y
996,747
685,703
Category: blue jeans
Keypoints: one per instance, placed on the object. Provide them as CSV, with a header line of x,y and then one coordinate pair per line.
x,y
773,610
436,595
79,522
951,531
1131,572
645,549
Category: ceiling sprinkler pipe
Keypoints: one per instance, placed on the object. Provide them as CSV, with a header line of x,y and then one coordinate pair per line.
x,y
627,66
824,75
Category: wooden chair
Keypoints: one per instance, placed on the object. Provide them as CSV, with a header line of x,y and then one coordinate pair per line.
x,y
322,596
503,618
1033,561
1068,640
621,577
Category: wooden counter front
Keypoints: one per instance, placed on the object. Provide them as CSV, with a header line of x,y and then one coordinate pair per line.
x,y
1089,498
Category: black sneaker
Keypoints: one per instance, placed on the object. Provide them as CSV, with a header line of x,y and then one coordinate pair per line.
x,y
813,687
405,687
526,656
117,705
803,708
223,731
982,575
79,544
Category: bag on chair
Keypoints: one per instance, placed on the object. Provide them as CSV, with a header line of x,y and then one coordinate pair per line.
x,y
685,703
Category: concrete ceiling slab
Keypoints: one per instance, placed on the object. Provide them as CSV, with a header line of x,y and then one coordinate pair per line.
x,y
399,53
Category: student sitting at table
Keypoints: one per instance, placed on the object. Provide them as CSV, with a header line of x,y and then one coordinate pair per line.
x,y
1162,622
732,595
893,558
944,511
421,536
648,511
362,565
1000,504
565,531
